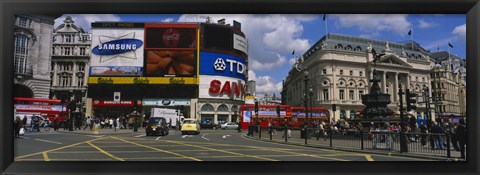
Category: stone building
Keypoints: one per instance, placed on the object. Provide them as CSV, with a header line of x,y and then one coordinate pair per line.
x,y
341,66
449,85
70,56
32,44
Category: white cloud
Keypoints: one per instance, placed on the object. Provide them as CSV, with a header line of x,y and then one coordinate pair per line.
x,y
460,32
375,22
424,24
85,20
168,20
274,36
265,84
443,43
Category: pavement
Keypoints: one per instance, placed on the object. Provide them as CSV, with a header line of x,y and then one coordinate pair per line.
x,y
348,145
106,131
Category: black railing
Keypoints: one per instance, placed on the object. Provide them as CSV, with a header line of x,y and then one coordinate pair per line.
x,y
383,140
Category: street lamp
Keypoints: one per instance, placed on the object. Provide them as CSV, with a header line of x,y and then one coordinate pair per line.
x,y
310,92
300,66
426,92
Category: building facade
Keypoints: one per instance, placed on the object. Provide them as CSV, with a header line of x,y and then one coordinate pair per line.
x,y
341,66
70,57
449,85
32,55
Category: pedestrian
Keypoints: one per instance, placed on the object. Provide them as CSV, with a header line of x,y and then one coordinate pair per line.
x,y
437,130
88,122
24,122
424,132
55,123
461,135
17,125
275,126
321,131
34,124
114,122
287,127
451,128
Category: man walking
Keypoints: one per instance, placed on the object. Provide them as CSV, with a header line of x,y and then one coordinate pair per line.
x,y
461,135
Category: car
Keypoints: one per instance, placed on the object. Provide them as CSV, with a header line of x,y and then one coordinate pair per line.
x,y
190,126
157,126
208,125
229,125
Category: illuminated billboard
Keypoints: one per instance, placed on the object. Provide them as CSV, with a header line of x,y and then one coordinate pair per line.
x,y
221,87
175,63
117,49
222,65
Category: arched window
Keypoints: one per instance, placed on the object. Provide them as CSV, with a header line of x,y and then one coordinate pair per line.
x,y
342,114
352,114
349,47
338,46
207,107
358,48
234,108
222,108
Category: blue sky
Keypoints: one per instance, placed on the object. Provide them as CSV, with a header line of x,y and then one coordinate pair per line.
x,y
272,38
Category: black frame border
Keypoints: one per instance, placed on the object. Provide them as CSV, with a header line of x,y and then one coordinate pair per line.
x,y
57,7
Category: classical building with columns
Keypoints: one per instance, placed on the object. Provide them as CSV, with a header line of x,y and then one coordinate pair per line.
x,y
341,66
32,44
70,56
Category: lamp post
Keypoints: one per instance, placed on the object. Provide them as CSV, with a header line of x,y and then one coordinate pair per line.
x,y
310,93
305,79
426,92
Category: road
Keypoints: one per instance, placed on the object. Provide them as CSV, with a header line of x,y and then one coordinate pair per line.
x,y
209,145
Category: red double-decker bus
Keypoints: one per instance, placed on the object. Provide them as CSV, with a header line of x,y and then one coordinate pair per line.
x,y
314,114
50,108
265,113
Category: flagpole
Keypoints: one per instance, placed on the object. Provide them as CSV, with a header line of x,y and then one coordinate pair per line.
x,y
326,25
411,36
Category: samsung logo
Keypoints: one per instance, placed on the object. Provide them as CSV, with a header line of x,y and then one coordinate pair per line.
x,y
117,47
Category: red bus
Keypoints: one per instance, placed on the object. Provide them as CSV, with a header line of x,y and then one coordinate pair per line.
x,y
314,114
265,113
46,108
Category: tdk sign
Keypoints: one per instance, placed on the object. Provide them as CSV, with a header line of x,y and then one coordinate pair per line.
x,y
115,47
222,65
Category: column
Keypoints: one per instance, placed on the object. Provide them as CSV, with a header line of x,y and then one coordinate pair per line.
x,y
215,118
395,88
230,116
85,76
74,76
55,76
408,82
334,81
384,81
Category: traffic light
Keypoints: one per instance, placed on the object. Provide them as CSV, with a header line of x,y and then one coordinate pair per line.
x,y
278,110
411,100
135,105
256,107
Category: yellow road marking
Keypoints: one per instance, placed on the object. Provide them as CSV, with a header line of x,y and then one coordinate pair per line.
x,y
159,150
63,159
369,157
59,148
219,150
45,156
105,152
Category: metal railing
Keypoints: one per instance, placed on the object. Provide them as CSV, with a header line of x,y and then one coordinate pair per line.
x,y
383,140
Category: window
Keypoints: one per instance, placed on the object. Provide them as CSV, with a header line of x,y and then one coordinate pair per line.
x,y
386,89
351,94
324,71
341,72
360,73
360,93
351,72
22,21
342,95
81,67
20,55
325,94
416,78
80,81
68,38
66,51
53,51
82,51
423,79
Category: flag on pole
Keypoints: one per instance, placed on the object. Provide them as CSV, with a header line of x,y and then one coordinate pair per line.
x,y
450,45
410,32
324,17
293,53
438,48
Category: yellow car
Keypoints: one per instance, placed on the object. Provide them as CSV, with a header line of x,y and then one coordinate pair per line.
x,y
190,126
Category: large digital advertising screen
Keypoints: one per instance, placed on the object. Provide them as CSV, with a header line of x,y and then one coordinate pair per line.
x,y
117,49
175,63
222,65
